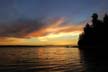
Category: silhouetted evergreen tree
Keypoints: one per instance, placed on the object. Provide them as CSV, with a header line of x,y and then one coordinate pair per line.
x,y
95,35
93,44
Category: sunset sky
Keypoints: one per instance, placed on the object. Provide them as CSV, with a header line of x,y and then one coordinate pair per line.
x,y
46,22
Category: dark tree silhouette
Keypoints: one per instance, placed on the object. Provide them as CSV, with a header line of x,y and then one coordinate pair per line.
x,y
94,35
93,45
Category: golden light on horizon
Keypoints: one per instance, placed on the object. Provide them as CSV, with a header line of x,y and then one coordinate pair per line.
x,y
50,39
58,32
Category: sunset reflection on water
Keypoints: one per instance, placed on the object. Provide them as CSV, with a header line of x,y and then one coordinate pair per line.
x,y
47,59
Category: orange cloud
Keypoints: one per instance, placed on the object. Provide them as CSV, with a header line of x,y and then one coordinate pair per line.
x,y
11,41
56,32
56,27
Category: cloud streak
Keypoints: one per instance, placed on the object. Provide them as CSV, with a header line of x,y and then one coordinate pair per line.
x,y
57,27
19,28
37,32
34,28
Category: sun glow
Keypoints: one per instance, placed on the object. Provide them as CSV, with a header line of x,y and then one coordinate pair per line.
x,y
50,39
58,32
60,38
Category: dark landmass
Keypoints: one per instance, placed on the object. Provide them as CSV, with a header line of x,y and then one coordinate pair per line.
x,y
95,35
93,44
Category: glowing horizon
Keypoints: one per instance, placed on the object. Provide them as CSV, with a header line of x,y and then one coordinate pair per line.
x,y
57,32
70,38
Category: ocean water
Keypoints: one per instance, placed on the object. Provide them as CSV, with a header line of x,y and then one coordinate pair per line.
x,y
40,59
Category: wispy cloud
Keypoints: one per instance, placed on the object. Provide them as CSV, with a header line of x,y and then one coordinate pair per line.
x,y
19,28
57,27
33,32
27,28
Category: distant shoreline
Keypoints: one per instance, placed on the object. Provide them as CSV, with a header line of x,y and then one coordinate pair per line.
x,y
68,46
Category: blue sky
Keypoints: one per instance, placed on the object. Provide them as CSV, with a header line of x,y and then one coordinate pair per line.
x,y
74,10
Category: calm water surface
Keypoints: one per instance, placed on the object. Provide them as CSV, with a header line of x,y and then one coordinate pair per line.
x,y
48,59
